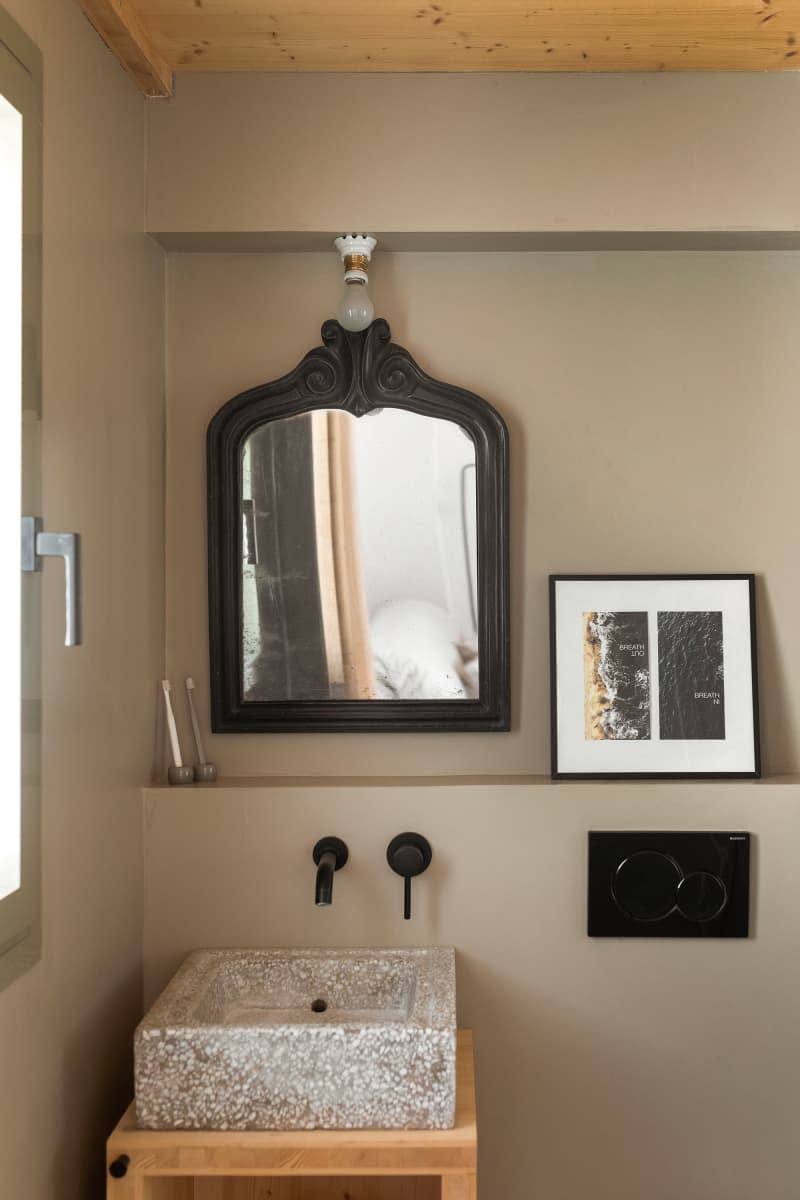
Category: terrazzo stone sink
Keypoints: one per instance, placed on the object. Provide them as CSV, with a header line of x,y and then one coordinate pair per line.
x,y
301,1039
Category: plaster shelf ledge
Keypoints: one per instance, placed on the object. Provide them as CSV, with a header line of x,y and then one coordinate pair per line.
x,y
533,241
349,782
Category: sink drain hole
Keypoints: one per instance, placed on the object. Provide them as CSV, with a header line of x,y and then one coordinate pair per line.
x,y
319,1005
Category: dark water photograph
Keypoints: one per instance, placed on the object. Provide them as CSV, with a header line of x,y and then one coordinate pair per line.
x,y
616,662
691,692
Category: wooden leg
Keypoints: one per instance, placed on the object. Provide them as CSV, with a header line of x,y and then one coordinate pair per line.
x,y
459,1187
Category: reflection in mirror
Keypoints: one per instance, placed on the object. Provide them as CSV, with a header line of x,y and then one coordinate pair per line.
x,y
359,564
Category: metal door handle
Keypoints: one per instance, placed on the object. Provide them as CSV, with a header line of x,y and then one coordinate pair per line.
x,y
38,545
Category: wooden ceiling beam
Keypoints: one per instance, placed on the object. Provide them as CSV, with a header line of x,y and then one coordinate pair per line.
x,y
124,33
152,37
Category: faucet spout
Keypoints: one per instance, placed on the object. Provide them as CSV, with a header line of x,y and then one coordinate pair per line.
x,y
329,854
323,895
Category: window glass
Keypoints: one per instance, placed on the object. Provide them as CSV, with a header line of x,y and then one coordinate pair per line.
x,y
10,482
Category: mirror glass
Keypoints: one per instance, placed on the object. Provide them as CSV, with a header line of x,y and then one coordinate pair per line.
x,y
359,571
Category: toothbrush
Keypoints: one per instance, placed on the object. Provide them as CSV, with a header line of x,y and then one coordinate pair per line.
x,y
172,729
204,771
198,739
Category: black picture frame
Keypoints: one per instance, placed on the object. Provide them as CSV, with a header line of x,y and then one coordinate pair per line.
x,y
357,372
565,751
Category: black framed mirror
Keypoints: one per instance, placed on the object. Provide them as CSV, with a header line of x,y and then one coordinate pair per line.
x,y
358,549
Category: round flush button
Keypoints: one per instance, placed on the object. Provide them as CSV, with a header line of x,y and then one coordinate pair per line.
x,y
701,896
645,884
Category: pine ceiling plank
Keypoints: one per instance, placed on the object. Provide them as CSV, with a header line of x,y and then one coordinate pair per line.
x,y
506,11
126,36
239,42
246,54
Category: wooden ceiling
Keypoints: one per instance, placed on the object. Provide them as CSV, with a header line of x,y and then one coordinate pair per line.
x,y
154,38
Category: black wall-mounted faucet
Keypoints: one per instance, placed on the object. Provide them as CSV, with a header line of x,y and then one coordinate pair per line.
x,y
408,854
330,854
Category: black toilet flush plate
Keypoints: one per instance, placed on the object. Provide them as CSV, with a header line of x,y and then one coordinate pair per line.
x,y
669,884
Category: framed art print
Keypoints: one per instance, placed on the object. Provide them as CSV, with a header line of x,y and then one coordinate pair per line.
x,y
653,676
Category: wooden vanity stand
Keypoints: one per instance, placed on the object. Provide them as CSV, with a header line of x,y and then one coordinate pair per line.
x,y
389,1164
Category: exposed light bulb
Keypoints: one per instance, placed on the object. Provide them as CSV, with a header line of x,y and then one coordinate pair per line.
x,y
355,310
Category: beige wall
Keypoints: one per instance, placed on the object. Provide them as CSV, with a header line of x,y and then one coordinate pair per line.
x,y
65,1027
605,1068
481,153
651,401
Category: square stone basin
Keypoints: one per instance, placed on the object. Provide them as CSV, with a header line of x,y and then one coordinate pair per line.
x,y
301,1039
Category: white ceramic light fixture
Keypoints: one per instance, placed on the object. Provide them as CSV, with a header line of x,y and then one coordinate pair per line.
x,y
355,311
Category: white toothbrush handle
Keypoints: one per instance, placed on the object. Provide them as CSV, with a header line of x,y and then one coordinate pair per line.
x,y
171,726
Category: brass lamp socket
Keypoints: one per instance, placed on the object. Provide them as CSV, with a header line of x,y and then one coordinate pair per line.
x,y
355,262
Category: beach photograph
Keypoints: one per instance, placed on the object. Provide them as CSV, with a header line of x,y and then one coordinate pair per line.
x,y
616,676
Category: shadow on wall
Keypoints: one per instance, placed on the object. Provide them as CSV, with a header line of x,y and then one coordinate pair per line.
x,y
97,1066
775,703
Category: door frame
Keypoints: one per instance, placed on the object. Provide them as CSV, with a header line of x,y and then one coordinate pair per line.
x,y
20,912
